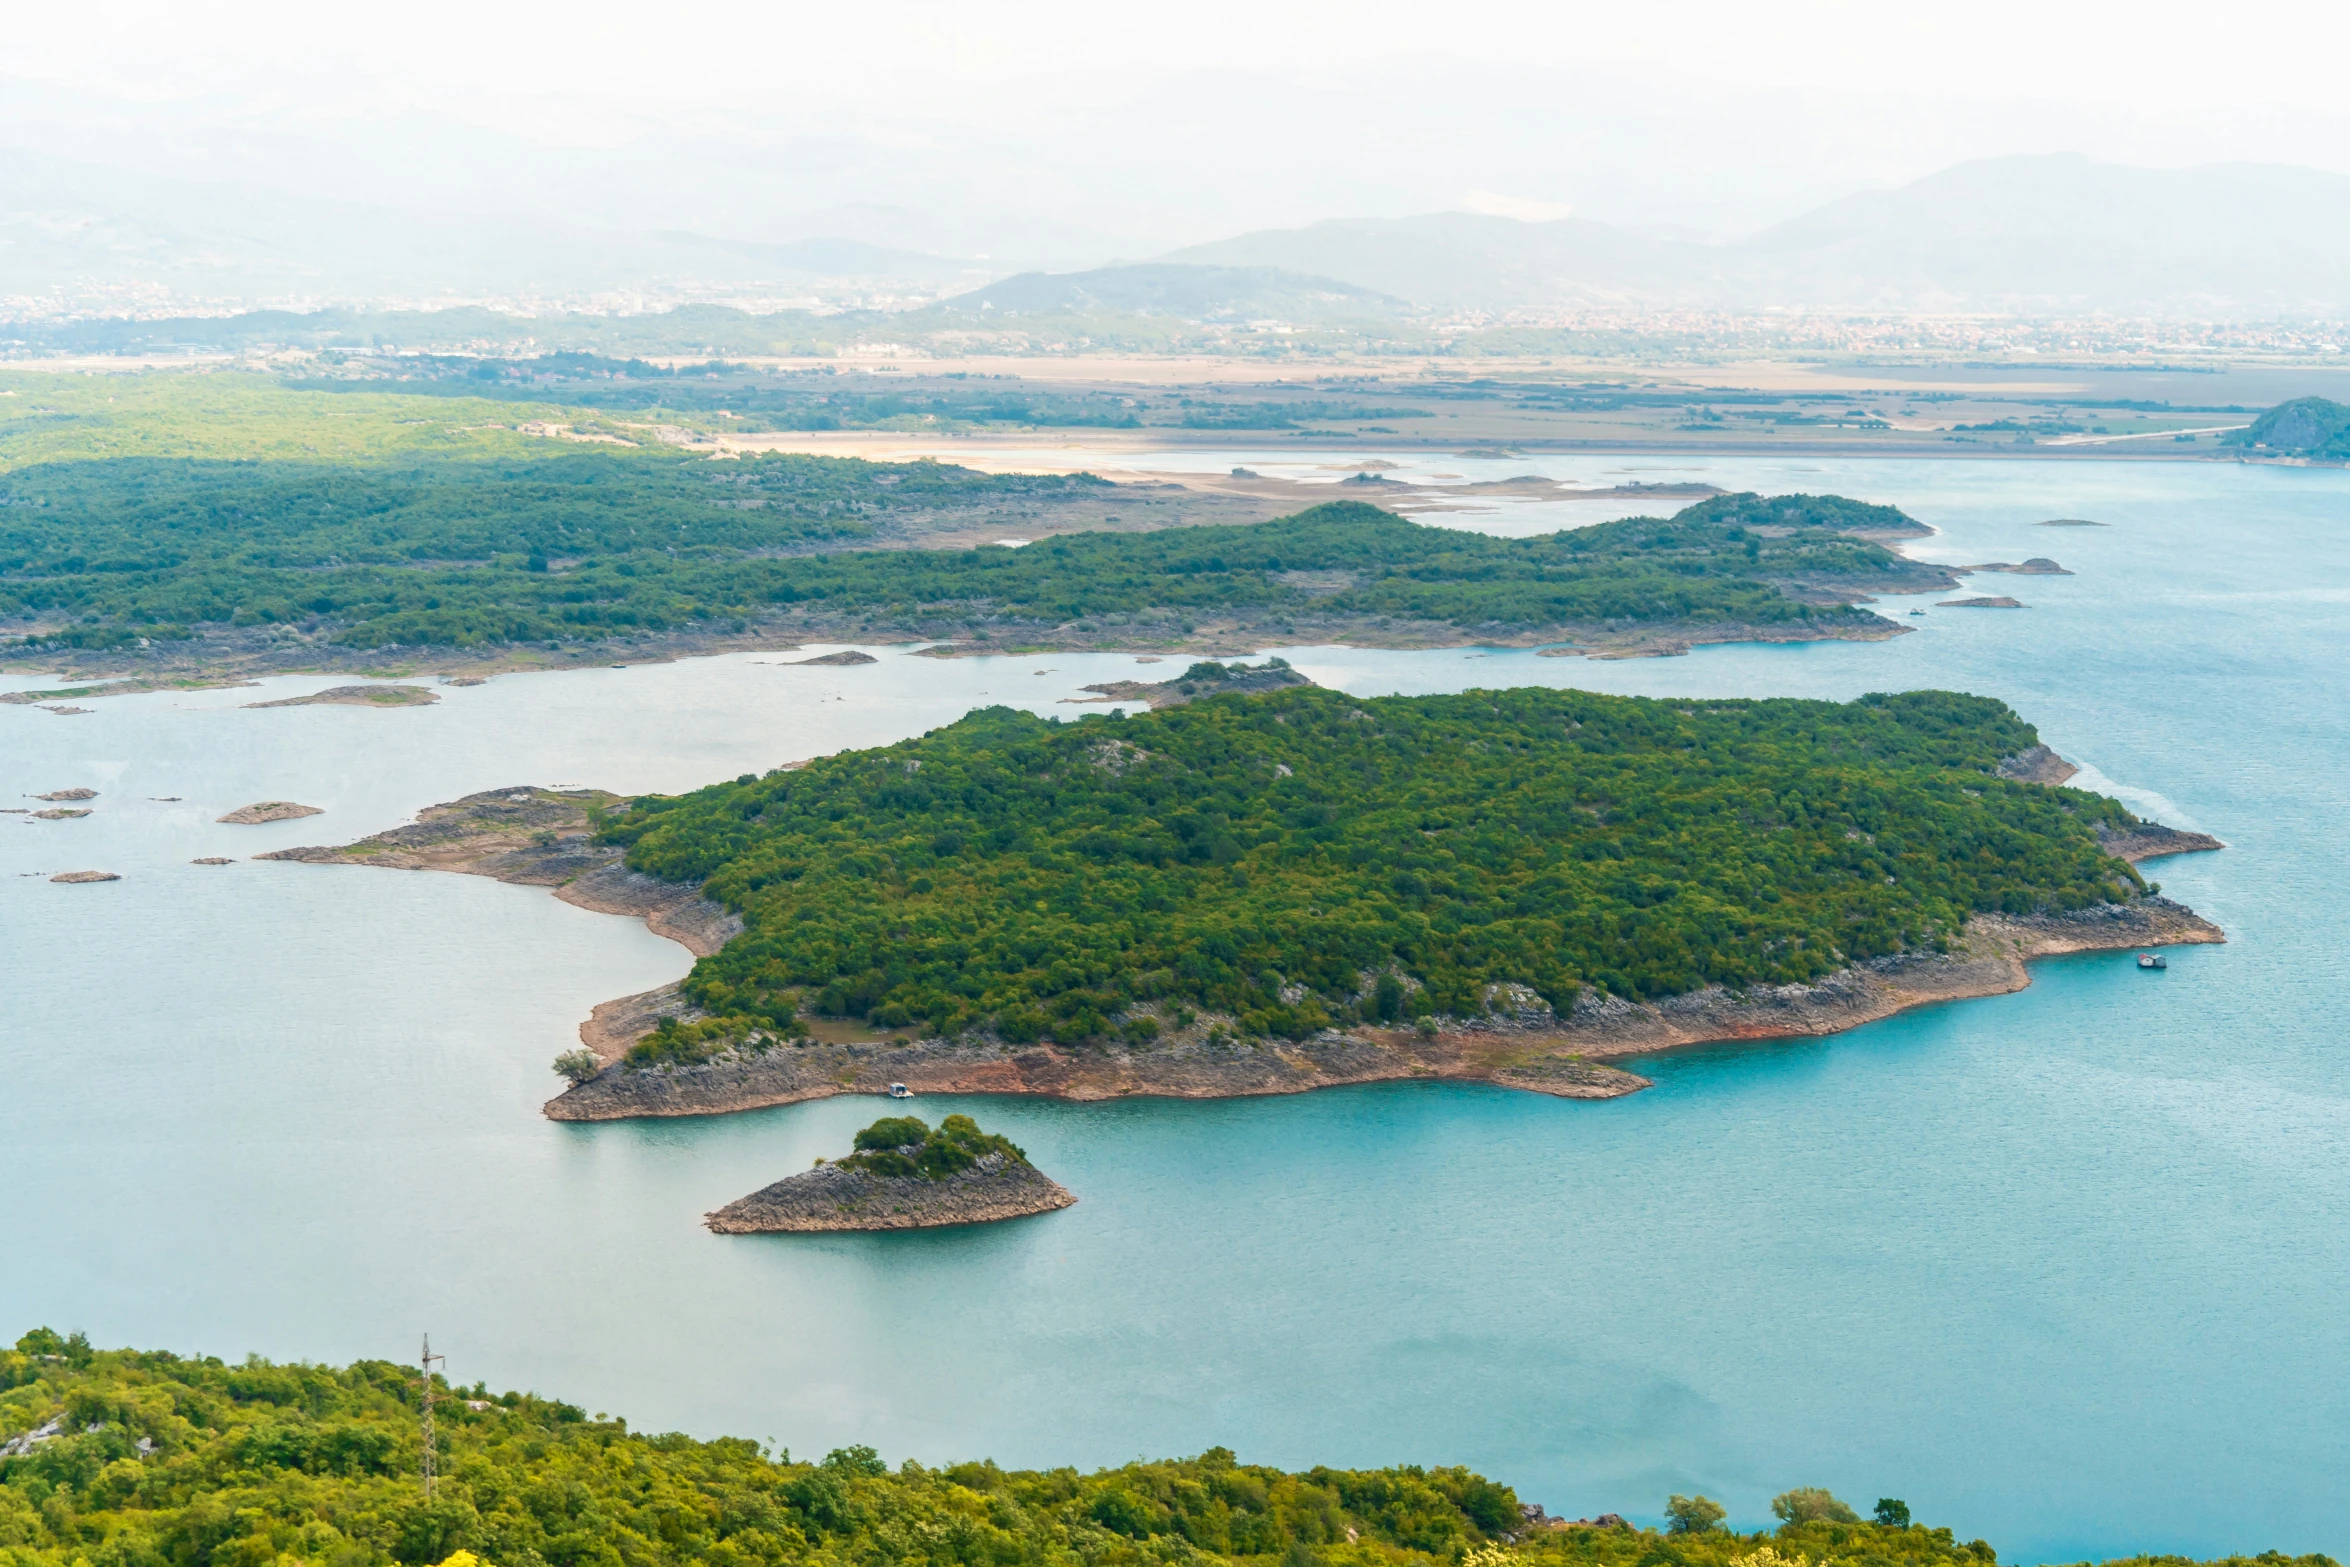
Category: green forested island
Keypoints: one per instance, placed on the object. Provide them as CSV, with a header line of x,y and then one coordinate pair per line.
x,y
2317,428
904,1174
1301,859
907,1145
217,520
124,1458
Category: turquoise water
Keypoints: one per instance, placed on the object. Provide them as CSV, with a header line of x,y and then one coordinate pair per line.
x,y
2062,1269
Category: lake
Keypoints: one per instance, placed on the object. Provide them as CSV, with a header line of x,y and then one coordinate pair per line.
x,y
2061,1269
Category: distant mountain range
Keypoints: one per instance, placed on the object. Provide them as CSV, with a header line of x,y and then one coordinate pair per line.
x,y
2048,235
86,236
2035,236
1189,291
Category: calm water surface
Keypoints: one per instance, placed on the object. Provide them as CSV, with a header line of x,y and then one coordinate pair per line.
x,y
2063,1269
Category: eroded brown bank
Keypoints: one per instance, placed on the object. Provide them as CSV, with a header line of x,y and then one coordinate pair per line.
x,y
833,1198
540,837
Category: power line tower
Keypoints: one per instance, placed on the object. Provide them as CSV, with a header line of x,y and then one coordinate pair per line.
x,y
426,1366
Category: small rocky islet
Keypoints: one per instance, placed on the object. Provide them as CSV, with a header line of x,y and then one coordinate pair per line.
x,y
903,1175
263,811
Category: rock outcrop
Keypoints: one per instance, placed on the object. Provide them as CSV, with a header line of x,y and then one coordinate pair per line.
x,y
1207,678
2152,840
836,1197
1527,1048
268,811
358,696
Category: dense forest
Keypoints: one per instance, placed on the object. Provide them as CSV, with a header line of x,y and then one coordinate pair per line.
x,y
2313,427
429,549
424,547
1302,859
122,1458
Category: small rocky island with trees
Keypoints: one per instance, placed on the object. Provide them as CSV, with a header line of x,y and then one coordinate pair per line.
x,y
904,1175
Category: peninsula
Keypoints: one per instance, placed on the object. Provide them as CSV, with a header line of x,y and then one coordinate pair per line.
x,y
746,558
1269,892
904,1175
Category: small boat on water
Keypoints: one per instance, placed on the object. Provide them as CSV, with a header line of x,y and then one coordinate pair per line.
x,y
901,1091
2152,960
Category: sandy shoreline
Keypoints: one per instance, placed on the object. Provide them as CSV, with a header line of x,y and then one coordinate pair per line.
x,y
540,837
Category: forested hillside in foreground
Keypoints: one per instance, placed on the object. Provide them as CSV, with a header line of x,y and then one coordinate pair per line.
x,y
1303,859
122,1458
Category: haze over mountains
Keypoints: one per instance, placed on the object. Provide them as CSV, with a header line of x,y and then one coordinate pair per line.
x,y
2042,235
2046,235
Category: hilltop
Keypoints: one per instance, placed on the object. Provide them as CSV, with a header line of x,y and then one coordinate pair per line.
x,y
2311,427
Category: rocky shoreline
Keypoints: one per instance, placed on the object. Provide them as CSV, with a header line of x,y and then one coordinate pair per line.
x,y
833,1198
234,659
542,837
1527,1048
359,696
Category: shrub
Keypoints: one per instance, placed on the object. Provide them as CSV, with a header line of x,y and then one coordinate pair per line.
x,y
1810,1504
578,1065
1694,1514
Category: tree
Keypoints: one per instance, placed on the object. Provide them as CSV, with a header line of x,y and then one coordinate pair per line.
x,y
1892,1512
1811,1504
578,1064
1694,1514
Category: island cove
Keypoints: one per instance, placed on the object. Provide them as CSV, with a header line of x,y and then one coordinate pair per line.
x,y
1730,568
1269,892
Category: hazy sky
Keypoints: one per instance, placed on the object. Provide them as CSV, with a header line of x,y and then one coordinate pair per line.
x,y
1062,133
494,57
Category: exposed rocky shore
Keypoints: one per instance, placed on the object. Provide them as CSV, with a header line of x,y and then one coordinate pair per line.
x,y
358,696
2038,765
1523,1046
833,1197
2152,840
542,837
1179,1067
262,811
1200,680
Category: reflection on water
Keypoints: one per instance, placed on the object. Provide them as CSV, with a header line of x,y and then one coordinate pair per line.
x,y
2059,1268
